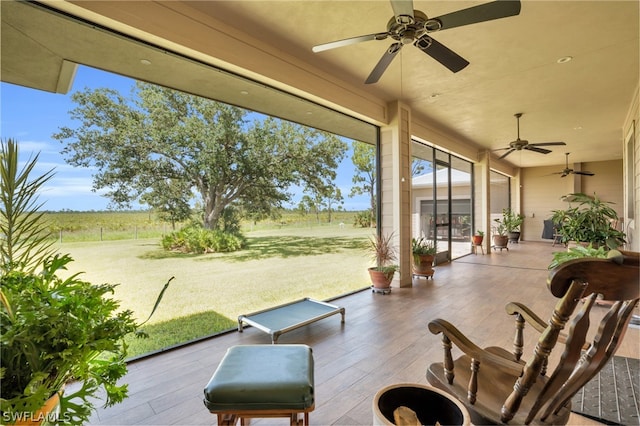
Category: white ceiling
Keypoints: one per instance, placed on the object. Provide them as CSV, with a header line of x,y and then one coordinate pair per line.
x,y
513,65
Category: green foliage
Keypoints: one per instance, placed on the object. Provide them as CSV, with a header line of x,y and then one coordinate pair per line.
x,y
363,219
591,221
52,330
196,239
578,252
479,233
364,178
511,220
27,240
55,334
161,146
170,198
422,246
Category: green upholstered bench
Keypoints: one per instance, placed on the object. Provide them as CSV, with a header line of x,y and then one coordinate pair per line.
x,y
262,381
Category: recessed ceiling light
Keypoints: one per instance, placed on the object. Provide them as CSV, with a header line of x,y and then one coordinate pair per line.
x,y
244,92
145,62
564,59
577,128
309,113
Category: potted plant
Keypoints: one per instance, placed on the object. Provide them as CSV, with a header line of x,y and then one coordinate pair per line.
x,y
592,221
500,237
424,252
512,222
53,330
477,238
384,254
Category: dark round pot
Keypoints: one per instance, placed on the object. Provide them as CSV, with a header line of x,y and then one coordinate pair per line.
x,y
431,405
476,240
514,237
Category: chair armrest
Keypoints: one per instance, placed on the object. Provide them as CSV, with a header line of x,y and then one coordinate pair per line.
x,y
515,308
472,350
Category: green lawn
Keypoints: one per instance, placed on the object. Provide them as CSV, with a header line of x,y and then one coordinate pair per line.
x,y
210,291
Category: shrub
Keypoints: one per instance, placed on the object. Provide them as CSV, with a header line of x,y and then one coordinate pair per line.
x,y
195,239
363,219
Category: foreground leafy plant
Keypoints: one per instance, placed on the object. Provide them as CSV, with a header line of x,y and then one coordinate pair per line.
x,y
52,330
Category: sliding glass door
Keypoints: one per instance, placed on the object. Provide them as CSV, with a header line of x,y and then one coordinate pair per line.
x,y
441,201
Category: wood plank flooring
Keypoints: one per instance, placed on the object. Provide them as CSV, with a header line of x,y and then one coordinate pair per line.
x,y
384,341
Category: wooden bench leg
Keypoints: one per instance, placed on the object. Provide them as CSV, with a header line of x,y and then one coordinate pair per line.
x,y
228,420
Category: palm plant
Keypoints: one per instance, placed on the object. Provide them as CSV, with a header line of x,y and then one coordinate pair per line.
x,y
27,240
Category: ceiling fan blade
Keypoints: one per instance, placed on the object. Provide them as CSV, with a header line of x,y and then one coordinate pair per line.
x,y
402,8
584,173
536,149
506,153
441,53
383,63
480,13
349,41
547,144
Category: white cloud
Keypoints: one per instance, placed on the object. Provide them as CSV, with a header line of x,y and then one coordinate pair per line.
x,y
69,186
31,148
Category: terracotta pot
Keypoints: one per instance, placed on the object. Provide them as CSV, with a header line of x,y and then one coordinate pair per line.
x,y
500,240
380,279
476,240
423,264
45,415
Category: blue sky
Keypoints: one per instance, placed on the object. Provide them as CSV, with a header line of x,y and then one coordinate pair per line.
x,y
32,116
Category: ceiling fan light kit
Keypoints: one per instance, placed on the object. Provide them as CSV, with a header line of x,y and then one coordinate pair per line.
x,y
409,26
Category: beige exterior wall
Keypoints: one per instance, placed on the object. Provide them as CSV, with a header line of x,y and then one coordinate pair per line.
x,y
542,191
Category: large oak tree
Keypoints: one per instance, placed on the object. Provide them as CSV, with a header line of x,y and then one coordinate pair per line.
x,y
161,143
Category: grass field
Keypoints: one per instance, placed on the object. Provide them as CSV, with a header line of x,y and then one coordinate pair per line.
x,y
210,291
71,226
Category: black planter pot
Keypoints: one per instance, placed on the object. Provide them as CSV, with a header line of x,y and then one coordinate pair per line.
x,y
514,237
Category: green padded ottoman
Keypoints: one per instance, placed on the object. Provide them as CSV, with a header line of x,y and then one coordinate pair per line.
x,y
262,381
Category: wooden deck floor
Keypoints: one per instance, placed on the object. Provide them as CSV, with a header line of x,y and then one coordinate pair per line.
x,y
384,341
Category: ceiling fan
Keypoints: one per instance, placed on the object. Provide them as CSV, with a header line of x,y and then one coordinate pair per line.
x,y
520,144
568,171
409,26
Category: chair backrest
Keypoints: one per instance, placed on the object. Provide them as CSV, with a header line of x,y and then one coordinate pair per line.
x,y
616,281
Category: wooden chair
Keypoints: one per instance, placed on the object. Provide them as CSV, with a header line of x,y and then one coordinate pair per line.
x,y
498,386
